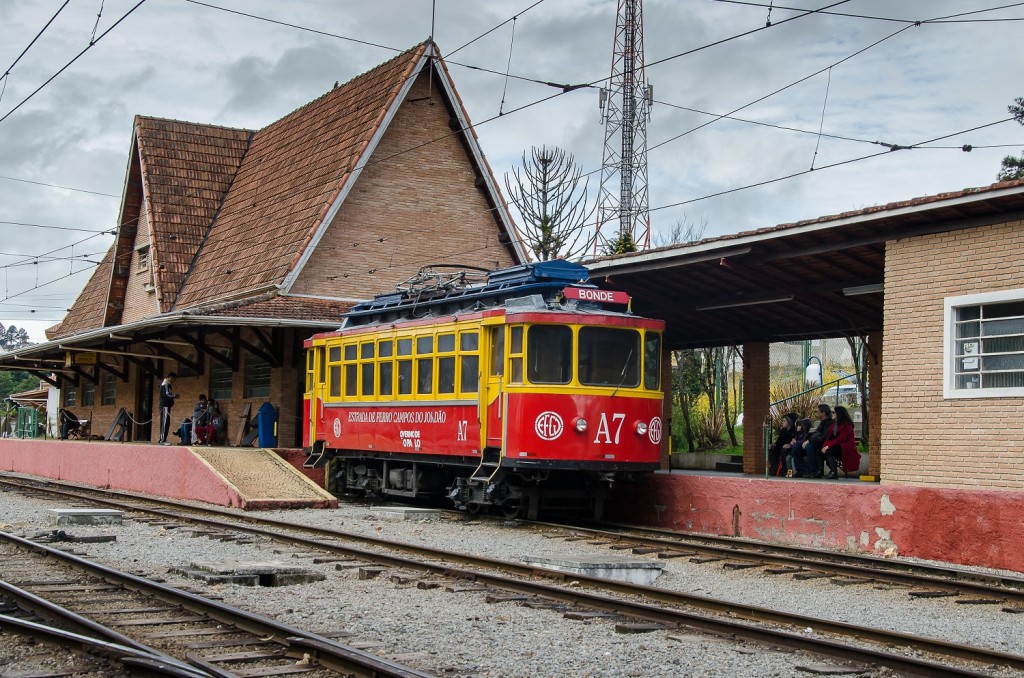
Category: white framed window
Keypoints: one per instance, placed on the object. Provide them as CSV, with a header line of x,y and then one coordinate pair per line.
x,y
142,259
983,355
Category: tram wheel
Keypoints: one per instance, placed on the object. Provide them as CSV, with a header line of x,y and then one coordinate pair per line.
x,y
513,507
473,508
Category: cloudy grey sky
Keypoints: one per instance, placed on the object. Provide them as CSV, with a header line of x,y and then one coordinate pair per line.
x,y
183,60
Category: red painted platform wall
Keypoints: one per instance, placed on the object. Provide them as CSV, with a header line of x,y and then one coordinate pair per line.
x,y
172,471
957,526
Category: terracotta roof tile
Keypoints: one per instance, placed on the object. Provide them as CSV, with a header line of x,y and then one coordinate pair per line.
x,y
287,308
187,168
291,174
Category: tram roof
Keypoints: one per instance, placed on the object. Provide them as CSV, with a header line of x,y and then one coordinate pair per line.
x,y
818,278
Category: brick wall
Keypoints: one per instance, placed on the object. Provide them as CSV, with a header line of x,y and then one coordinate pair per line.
x,y
423,203
756,375
927,440
284,394
139,303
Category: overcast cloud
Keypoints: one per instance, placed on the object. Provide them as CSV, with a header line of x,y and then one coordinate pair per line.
x,y
176,59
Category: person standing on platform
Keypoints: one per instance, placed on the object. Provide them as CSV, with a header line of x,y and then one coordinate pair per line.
x,y
167,397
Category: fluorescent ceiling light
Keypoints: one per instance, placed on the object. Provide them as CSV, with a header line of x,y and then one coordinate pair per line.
x,y
745,302
863,289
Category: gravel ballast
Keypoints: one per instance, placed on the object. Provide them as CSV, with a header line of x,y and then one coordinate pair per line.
x,y
459,634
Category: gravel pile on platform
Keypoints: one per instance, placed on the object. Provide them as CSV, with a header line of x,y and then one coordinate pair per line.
x,y
459,634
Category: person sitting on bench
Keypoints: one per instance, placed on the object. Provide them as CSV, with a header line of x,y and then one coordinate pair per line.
x,y
202,424
68,423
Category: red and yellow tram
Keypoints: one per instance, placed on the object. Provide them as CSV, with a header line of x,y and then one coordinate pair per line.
x,y
505,393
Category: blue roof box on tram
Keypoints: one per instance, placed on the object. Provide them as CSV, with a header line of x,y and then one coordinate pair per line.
x,y
554,271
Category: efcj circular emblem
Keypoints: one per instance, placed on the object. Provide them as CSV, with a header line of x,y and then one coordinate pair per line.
x,y
337,427
548,425
654,430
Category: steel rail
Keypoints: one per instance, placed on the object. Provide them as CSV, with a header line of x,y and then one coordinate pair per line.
x,y
848,564
82,626
643,610
128,655
330,654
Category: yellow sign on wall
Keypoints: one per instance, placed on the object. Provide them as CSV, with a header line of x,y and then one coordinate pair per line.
x,y
77,358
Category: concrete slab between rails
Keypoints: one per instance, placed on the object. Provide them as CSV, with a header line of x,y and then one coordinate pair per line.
x,y
243,477
960,526
617,569
401,513
82,516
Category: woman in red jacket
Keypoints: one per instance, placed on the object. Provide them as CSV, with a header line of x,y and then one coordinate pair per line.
x,y
841,445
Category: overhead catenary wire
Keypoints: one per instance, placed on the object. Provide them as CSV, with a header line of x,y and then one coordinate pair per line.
x,y
10,68
63,68
65,188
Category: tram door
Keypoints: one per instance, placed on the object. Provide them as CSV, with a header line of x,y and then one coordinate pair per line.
x,y
316,376
493,394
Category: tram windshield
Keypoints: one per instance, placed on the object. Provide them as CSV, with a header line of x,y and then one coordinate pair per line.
x,y
609,357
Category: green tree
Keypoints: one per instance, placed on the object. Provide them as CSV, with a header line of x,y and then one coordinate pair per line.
x,y
1013,167
13,338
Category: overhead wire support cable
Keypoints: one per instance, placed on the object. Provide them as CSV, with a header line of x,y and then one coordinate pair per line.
x,y
821,125
66,188
508,67
10,68
73,60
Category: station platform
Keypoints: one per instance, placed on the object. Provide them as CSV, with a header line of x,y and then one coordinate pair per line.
x,y
243,477
953,525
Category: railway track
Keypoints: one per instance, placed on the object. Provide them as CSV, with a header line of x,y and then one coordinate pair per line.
x,y
503,580
926,580
163,629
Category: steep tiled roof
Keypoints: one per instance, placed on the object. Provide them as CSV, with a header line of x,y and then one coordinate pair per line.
x,y
88,309
287,308
293,171
187,169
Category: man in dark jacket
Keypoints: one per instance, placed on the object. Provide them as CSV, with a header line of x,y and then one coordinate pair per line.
x,y
166,403
812,446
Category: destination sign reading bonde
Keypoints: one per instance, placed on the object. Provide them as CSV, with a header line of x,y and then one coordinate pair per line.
x,y
590,294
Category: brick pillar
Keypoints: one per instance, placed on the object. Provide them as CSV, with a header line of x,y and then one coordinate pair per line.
x,y
755,405
874,357
666,410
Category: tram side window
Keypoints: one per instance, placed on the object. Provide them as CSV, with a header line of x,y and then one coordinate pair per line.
x,y
609,357
351,371
334,371
469,362
404,367
515,353
549,354
385,368
497,351
652,360
424,365
367,368
446,363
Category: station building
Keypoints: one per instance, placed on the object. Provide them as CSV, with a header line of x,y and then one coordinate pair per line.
x,y
235,245
936,286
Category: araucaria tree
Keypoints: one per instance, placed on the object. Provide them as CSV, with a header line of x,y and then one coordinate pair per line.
x,y
1013,168
553,204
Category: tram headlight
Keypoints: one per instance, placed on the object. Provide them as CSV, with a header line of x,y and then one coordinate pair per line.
x,y
641,428
581,425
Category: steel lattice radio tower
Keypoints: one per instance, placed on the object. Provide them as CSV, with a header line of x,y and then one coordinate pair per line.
x,y
625,108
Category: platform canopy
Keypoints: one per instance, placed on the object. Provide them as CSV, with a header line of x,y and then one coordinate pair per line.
x,y
818,278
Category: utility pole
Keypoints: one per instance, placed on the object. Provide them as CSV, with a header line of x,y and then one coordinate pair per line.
x,y
625,109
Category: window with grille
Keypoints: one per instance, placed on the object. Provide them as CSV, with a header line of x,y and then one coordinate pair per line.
x,y
221,376
984,351
88,391
109,389
257,377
